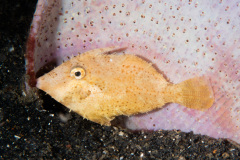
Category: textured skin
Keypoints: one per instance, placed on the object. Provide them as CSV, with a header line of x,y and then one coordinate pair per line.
x,y
110,85
184,39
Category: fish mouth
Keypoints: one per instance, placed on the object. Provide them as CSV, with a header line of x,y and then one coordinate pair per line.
x,y
43,84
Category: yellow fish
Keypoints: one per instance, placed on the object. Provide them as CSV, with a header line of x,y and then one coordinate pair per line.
x,y
100,86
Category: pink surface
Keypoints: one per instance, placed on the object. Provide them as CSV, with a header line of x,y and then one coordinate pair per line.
x,y
183,38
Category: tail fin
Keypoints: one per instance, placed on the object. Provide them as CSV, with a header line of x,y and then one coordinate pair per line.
x,y
194,93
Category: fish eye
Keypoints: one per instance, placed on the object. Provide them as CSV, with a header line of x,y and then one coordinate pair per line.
x,y
77,73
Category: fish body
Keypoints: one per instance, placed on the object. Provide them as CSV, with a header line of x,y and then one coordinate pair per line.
x,y
100,86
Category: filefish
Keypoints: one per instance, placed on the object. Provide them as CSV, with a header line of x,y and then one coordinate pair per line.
x,y
100,86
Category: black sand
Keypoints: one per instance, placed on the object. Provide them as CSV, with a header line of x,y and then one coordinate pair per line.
x,y
29,131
